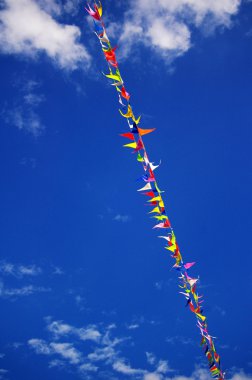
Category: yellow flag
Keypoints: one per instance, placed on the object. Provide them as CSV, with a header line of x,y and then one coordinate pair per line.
x,y
173,238
137,121
161,203
196,298
156,209
158,198
160,217
202,317
131,145
100,9
128,114
172,248
113,76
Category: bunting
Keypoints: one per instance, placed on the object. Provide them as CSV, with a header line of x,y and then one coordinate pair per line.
x,y
150,188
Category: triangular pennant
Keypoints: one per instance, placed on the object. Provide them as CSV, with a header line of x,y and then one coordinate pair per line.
x,y
171,248
160,217
140,158
128,114
146,187
161,204
137,121
125,94
120,100
165,237
160,225
99,29
116,84
130,145
149,194
153,167
134,128
115,77
139,146
189,265
156,209
158,198
143,132
99,8
128,135
94,13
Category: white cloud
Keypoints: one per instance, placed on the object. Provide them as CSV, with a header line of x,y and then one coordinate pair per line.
x,y
88,367
29,122
65,350
19,270
178,339
122,218
220,310
106,355
152,376
105,350
3,372
151,359
166,25
72,6
27,28
126,369
22,291
23,113
40,346
59,329
58,271
204,374
133,326
163,367
241,376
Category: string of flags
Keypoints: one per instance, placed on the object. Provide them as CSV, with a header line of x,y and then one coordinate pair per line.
x,y
187,284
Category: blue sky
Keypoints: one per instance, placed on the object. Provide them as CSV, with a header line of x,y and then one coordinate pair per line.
x,y
86,288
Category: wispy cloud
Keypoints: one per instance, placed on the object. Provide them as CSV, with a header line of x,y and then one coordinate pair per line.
x,y
203,374
3,372
167,26
133,326
126,369
15,276
29,122
178,339
28,27
64,350
122,218
220,310
60,329
19,270
23,114
105,353
58,270
7,292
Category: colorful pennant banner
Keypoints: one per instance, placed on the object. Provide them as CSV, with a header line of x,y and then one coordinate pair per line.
x,y
188,284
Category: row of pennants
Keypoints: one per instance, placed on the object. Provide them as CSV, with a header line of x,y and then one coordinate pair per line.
x,y
150,189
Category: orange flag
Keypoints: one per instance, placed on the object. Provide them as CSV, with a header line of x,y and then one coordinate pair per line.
x,y
143,132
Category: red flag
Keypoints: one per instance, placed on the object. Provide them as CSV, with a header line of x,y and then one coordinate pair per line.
x,y
139,146
125,94
128,135
149,194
